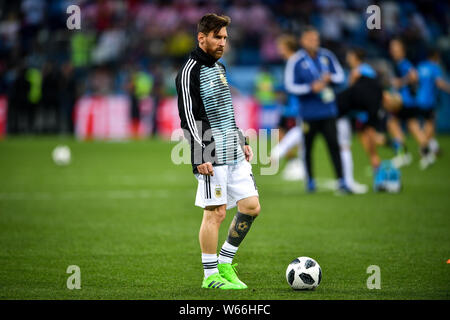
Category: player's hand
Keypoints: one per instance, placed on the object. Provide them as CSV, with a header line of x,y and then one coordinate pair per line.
x,y
317,86
326,77
248,153
396,83
206,169
413,77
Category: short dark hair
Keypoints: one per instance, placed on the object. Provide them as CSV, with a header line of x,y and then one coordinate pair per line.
x,y
433,52
308,28
359,52
401,41
212,22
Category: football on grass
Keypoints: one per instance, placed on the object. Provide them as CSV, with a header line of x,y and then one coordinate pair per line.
x,y
61,155
303,273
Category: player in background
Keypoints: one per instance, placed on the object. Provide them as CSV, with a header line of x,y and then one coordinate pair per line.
x,y
406,84
291,135
364,94
310,75
430,80
219,156
361,81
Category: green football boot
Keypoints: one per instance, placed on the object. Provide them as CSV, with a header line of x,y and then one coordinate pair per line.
x,y
216,281
228,271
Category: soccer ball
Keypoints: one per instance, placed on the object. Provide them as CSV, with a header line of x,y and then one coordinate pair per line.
x,y
303,273
61,155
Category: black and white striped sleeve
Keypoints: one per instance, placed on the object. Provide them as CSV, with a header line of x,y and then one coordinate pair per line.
x,y
187,85
190,104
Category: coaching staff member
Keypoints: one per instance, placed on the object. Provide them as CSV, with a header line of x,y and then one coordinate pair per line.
x,y
311,76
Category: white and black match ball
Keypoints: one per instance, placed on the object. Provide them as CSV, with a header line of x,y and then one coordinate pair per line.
x,y
303,273
61,155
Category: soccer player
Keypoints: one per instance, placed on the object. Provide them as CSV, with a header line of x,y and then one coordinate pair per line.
x,y
310,75
406,84
364,94
220,157
430,80
291,135
362,99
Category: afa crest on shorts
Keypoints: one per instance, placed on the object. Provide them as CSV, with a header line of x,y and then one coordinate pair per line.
x,y
218,191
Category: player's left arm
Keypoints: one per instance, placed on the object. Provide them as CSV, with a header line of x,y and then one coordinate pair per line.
x,y
337,75
440,82
243,140
354,76
410,77
248,152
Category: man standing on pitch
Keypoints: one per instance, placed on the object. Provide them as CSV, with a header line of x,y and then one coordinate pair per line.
x,y
219,153
311,74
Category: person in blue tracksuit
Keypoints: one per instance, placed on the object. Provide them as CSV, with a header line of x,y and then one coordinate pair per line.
x,y
311,75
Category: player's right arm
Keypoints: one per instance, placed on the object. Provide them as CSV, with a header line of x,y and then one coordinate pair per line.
x,y
292,77
410,76
206,169
190,108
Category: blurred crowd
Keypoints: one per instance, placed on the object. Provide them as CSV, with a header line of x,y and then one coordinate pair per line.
x,y
135,47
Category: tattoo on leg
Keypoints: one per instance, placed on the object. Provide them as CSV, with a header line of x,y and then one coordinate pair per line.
x,y
239,227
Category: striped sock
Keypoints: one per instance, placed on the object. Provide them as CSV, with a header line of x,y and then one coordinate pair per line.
x,y
209,262
227,253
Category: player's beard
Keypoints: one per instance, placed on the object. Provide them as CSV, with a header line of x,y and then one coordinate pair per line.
x,y
214,52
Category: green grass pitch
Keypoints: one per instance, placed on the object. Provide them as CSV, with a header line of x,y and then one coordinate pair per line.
x,y
125,215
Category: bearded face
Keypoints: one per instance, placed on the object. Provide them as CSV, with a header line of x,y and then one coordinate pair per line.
x,y
213,43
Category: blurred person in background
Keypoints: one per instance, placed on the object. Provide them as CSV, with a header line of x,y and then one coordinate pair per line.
x,y
357,97
291,135
18,102
363,98
140,88
265,87
430,81
49,107
311,75
68,94
33,76
405,82
265,94
100,81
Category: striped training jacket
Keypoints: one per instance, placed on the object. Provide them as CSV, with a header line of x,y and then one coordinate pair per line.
x,y
206,111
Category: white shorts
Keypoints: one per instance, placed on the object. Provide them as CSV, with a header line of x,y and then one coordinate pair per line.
x,y
229,184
